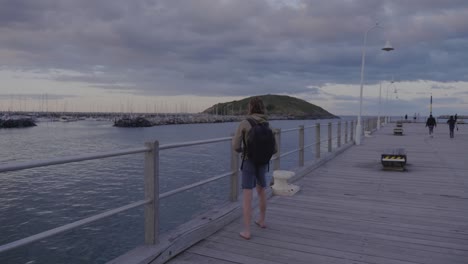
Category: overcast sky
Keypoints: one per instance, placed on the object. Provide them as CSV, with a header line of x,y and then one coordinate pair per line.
x,y
185,55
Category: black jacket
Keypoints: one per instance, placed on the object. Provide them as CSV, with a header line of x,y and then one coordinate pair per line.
x,y
431,122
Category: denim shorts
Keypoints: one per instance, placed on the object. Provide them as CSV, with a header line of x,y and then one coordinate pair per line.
x,y
252,176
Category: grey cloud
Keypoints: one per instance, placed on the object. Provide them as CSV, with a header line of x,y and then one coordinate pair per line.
x,y
232,47
346,98
44,96
442,87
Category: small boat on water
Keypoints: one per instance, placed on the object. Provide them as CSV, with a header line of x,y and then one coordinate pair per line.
x,y
68,119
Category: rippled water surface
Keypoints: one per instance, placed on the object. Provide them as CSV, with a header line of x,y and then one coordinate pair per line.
x,y
35,200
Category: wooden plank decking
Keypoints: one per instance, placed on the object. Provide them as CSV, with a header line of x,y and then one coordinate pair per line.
x,y
351,211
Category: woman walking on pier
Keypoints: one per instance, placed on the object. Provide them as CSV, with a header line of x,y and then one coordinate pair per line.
x,y
253,175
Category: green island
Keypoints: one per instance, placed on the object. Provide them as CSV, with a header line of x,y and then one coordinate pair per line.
x,y
277,106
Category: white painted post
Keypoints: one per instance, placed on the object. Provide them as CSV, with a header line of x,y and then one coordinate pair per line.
x,y
235,175
301,146
277,162
339,135
329,137
152,193
317,141
346,133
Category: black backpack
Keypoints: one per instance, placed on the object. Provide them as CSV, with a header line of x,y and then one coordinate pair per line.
x,y
260,145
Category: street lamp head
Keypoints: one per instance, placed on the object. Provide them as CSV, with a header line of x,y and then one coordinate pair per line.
x,y
388,46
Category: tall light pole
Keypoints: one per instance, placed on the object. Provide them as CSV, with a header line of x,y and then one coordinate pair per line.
x,y
430,108
387,47
386,103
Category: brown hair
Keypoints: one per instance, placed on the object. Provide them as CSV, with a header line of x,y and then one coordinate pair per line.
x,y
256,106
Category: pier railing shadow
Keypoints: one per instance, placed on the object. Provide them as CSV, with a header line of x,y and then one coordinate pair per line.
x,y
328,140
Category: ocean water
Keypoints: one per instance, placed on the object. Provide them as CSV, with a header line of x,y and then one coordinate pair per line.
x,y
35,200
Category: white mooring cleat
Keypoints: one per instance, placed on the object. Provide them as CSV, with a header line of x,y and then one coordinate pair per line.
x,y
281,185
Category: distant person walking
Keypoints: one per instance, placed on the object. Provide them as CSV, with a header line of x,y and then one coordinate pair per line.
x,y
431,123
452,122
256,154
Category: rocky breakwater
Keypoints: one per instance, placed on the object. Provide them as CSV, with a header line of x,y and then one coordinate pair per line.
x,y
16,123
133,122
161,120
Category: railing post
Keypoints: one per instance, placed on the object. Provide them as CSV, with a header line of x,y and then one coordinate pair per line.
x,y
329,137
346,132
364,124
235,175
301,146
339,135
152,193
317,141
277,161
351,131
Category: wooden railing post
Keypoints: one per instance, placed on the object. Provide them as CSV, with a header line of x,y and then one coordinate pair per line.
x,y
277,161
152,193
234,194
329,137
346,132
317,141
338,142
351,131
301,146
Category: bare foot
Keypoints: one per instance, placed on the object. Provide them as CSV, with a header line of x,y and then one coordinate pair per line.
x,y
245,235
260,224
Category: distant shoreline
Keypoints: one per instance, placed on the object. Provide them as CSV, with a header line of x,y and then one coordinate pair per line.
x,y
142,121
145,119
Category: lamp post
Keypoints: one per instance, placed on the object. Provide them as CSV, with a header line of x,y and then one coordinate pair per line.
x,y
387,47
386,103
430,108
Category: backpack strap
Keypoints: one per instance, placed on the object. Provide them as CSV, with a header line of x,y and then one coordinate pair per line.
x,y
252,123
244,150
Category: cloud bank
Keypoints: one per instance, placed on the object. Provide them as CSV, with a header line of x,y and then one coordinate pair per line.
x,y
232,48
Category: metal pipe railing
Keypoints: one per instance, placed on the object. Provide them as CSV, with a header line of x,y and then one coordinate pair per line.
x,y
67,227
43,163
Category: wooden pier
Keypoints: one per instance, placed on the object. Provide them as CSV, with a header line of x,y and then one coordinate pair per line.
x,y
350,210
